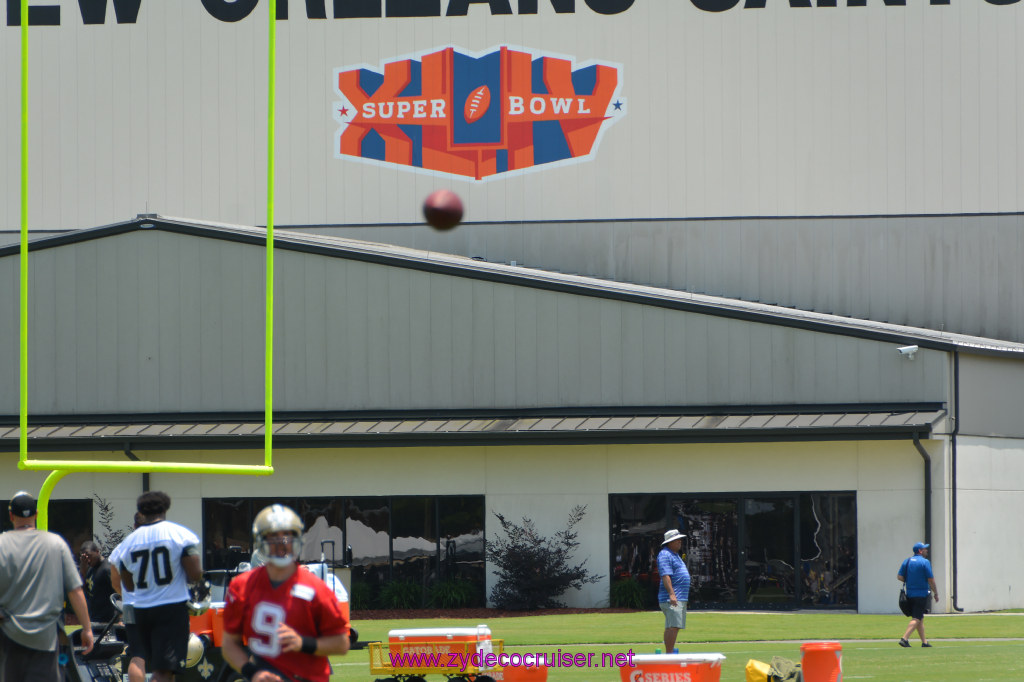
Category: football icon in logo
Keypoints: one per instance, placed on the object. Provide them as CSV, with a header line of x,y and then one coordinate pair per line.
x,y
476,104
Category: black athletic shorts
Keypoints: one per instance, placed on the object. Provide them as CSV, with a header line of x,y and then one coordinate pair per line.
x,y
163,636
918,606
131,632
131,637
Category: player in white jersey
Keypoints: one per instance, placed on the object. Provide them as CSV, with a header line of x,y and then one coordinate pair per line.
x,y
156,563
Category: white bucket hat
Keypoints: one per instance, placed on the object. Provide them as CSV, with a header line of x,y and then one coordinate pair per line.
x,y
672,535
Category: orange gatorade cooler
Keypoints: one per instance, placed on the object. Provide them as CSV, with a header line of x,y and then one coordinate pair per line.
x,y
822,661
443,642
674,668
520,673
210,623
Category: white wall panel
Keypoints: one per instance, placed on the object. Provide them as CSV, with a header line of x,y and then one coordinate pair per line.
x,y
991,482
775,111
886,475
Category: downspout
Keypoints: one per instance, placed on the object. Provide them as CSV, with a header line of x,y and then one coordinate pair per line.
x,y
953,435
145,475
927,489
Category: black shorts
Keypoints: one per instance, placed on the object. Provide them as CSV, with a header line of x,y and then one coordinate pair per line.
x,y
162,636
131,637
131,632
918,606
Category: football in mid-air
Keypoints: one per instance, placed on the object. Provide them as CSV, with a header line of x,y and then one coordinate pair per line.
x,y
443,209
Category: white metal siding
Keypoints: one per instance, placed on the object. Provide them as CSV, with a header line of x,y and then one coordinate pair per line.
x,y
771,112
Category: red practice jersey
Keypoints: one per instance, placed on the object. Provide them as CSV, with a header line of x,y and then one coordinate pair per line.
x,y
303,602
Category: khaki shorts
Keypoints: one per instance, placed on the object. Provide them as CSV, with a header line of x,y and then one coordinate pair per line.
x,y
675,616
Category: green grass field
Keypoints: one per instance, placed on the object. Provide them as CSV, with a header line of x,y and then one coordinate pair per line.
x,y
967,647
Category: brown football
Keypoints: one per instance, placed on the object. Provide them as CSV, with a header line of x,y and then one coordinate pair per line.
x,y
443,209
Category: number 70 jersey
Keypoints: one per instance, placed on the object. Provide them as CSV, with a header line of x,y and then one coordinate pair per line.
x,y
152,554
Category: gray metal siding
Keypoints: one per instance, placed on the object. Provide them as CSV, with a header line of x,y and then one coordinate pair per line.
x,y
163,322
991,397
958,274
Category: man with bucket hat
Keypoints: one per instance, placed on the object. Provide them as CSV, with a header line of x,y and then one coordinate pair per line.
x,y
916,573
675,587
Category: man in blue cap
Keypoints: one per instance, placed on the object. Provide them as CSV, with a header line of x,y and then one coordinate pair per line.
x,y
916,573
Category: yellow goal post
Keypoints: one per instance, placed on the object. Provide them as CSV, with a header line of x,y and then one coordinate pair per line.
x,y
60,468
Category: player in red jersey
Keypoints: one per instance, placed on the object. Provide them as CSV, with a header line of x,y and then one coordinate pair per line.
x,y
289,619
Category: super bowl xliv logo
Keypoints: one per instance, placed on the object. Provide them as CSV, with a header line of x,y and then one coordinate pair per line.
x,y
476,116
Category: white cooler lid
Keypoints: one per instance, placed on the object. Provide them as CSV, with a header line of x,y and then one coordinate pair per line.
x,y
441,632
677,658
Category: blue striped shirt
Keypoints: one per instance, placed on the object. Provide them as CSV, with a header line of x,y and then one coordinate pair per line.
x,y
669,563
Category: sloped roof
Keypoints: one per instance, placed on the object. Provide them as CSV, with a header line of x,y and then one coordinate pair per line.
x,y
576,427
461,266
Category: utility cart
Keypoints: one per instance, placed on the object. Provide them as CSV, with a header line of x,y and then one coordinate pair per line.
x,y
456,653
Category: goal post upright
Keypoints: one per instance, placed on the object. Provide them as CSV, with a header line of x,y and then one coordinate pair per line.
x,y
61,468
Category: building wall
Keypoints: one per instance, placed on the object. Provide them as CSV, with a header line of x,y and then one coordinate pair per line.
x,y
989,499
774,111
159,322
957,274
952,273
991,395
545,482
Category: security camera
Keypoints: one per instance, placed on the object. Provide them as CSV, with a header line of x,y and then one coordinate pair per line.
x,y
907,351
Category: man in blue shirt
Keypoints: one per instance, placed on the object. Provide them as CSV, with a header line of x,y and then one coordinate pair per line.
x,y
675,587
916,573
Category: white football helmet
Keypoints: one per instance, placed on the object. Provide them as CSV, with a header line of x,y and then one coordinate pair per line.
x,y
275,519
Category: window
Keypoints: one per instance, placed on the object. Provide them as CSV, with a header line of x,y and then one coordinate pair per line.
x,y
828,549
421,538
70,519
763,550
637,527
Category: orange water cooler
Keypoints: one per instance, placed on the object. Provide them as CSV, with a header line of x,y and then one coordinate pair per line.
x,y
822,661
210,623
520,673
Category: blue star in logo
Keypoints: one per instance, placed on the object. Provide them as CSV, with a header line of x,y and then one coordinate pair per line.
x,y
617,105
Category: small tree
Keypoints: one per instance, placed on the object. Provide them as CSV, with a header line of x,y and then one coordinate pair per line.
x,y
112,537
534,570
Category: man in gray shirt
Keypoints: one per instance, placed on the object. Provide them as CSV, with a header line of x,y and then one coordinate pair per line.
x,y
36,572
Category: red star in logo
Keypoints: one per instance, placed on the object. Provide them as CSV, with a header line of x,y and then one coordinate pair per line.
x,y
343,111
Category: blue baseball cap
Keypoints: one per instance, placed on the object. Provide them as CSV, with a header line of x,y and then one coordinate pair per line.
x,y
918,546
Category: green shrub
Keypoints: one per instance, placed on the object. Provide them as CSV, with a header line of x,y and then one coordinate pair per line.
x,y
627,593
455,593
361,597
401,594
112,536
533,570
